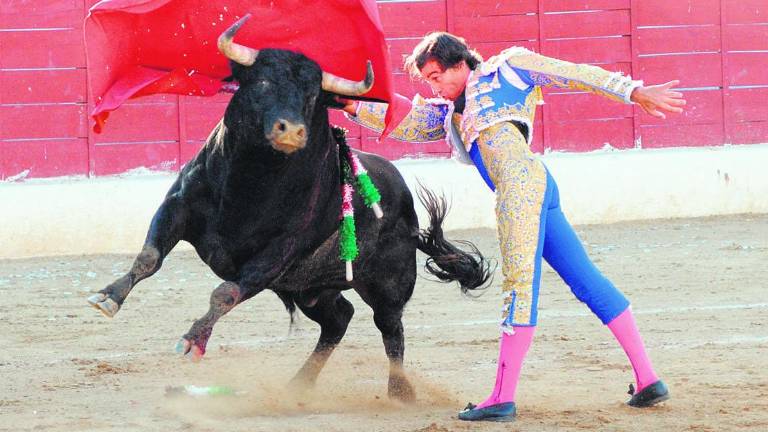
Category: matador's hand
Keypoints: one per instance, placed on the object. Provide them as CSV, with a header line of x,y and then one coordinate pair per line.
x,y
350,106
658,98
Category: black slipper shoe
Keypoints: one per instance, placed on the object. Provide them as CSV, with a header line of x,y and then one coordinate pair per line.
x,y
649,396
503,412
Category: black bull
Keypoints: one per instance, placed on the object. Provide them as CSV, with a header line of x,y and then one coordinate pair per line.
x,y
263,213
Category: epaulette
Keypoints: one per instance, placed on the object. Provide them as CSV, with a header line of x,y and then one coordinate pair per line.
x,y
494,63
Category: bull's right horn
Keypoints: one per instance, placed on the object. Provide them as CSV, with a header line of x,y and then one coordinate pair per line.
x,y
238,53
345,87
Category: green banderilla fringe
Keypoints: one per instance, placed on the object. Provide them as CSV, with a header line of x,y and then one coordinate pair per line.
x,y
347,239
367,190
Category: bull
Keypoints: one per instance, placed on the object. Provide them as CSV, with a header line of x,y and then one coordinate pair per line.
x,y
261,201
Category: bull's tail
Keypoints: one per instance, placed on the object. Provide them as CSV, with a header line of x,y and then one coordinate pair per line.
x,y
446,261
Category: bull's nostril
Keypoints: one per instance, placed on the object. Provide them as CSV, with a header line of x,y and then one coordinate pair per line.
x,y
300,132
281,126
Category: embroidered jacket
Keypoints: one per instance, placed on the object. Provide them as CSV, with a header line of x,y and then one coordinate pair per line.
x,y
504,88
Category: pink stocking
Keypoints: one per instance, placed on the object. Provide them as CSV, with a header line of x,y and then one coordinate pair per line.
x,y
512,351
625,331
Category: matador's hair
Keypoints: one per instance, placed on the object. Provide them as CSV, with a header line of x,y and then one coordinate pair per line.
x,y
446,49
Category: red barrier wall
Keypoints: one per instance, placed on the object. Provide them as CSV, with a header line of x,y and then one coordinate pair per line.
x,y
717,48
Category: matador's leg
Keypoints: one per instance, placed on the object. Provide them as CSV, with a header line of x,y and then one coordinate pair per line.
x,y
521,186
521,191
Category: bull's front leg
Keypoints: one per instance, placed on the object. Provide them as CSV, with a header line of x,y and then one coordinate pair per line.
x,y
223,299
165,231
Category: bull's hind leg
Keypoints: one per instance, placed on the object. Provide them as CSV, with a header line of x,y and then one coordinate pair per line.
x,y
389,287
225,297
387,304
390,323
164,233
333,312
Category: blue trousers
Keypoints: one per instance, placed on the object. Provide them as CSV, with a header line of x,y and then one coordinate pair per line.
x,y
561,248
510,160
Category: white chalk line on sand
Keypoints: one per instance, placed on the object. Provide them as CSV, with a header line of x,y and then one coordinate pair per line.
x,y
731,340
545,313
734,340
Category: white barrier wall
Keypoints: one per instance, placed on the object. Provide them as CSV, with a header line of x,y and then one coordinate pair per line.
x,y
112,214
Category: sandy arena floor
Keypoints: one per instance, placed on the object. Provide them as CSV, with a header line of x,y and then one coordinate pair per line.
x,y
697,285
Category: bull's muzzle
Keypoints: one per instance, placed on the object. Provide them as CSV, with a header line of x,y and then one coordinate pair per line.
x,y
287,136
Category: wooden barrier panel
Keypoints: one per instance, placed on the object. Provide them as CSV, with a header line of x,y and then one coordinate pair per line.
x,y
589,50
36,158
412,19
671,12
745,11
43,122
116,158
483,8
33,121
588,135
42,14
748,105
43,86
582,5
685,39
142,133
740,37
585,24
497,27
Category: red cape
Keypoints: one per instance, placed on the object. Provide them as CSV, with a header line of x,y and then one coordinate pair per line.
x,y
140,47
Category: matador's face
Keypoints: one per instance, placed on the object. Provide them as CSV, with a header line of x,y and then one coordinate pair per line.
x,y
446,83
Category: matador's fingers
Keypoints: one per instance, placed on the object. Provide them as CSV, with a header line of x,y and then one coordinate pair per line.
x,y
651,110
670,108
657,114
675,102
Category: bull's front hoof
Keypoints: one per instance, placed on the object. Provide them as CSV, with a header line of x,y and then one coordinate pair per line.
x,y
190,350
104,304
401,389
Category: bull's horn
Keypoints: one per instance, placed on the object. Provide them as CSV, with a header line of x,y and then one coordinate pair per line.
x,y
345,87
236,52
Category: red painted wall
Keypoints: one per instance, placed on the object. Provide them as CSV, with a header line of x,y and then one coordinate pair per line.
x,y
717,48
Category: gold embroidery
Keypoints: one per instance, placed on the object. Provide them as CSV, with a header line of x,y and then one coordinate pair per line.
x,y
526,112
485,102
481,112
484,87
456,120
424,123
370,115
521,182
546,71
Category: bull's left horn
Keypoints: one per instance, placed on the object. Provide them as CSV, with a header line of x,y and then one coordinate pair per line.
x,y
345,87
238,53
